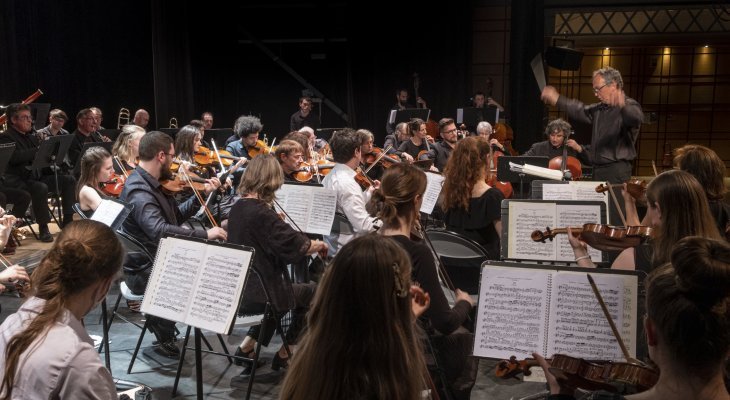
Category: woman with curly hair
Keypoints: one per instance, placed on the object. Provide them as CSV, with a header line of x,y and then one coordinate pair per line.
x,y
472,207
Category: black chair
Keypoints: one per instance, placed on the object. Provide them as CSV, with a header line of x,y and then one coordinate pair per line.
x,y
79,211
461,256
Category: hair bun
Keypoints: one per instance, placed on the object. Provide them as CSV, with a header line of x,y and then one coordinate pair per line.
x,y
702,269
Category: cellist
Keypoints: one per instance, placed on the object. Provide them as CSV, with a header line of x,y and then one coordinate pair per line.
x,y
556,131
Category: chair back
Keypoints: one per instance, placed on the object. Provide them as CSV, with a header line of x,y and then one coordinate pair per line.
x,y
79,211
134,249
461,256
342,225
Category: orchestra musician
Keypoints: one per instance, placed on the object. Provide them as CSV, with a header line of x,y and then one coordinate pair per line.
x,y
20,176
366,147
187,143
155,213
315,144
96,168
290,155
254,222
397,203
440,151
471,206
207,118
395,139
46,351
302,138
419,140
687,326
351,199
485,130
56,119
401,103
616,120
126,148
141,118
361,308
556,131
86,132
304,116
676,208
98,118
246,129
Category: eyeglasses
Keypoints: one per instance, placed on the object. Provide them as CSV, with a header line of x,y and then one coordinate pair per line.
x,y
451,131
25,117
596,90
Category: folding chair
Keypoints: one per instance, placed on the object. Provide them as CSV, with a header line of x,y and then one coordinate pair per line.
x,y
461,256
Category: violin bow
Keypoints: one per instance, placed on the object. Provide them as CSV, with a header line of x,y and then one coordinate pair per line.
x,y
616,334
217,154
286,214
272,146
615,203
121,167
653,166
380,157
199,197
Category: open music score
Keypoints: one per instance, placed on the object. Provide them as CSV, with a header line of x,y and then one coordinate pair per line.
x,y
111,213
525,216
434,183
575,190
311,207
197,283
525,309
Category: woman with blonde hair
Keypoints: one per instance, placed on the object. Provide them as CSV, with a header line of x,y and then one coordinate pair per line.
x,y
47,353
126,148
360,329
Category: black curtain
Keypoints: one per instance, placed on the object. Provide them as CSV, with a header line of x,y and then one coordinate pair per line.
x,y
526,108
80,54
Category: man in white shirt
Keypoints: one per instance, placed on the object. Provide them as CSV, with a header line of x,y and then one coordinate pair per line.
x,y
351,198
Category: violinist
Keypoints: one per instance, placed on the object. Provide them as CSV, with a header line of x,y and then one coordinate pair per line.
x,y
155,213
366,148
290,156
188,141
126,149
246,128
315,144
709,169
302,138
687,325
96,169
676,208
397,203
395,139
441,151
471,206
255,223
419,142
346,150
556,131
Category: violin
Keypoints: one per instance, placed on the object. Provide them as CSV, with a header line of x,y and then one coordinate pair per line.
x,y
601,237
259,148
386,160
363,179
114,186
635,187
572,164
205,156
583,374
178,183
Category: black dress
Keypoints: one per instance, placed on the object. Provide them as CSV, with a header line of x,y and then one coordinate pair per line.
x,y
478,223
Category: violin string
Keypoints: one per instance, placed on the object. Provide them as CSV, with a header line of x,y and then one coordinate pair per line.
x,y
380,157
286,214
200,198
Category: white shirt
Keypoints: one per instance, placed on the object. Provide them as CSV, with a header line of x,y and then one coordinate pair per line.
x,y
351,202
60,364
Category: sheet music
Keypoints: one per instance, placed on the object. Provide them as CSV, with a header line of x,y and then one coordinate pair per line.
x,y
107,212
196,283
511,319
575,190
578,325
217,287
575,215
171,284
630,312
312,208
433,189
524,218
539,71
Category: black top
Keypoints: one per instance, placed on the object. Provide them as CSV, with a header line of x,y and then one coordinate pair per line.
x,y
253,223
442,317
297,121
26,147
478,223
412,149
439,153
74,152
721,212
546,149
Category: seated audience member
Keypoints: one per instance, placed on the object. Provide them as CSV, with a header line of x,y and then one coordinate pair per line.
x,y
47,353
471,207
361,325
687,326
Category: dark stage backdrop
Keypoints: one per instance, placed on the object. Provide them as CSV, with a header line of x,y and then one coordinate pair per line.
x,y
181,58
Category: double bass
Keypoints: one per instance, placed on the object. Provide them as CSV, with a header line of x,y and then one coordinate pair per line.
x,y
431,126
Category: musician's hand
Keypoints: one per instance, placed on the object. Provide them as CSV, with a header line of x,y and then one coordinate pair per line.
x,y
580,248
14,273
407,157
420,301
212,184
491,102
462,295
104,138
430,139
553,384
550,95
495,142
574,145
217,232
319,247
421,101
376,184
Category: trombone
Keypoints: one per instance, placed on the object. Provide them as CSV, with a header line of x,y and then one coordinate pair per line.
x,y
173,123
123,118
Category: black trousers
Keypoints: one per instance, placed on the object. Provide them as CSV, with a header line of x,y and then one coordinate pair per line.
x,y
303,295
39,189
20,199
163,329
615,172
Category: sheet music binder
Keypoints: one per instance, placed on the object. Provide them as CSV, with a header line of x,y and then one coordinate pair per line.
x,y
116,223
525,293
54,146
406,115
216,273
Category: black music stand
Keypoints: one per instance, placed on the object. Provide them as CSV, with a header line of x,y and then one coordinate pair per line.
x,y
86,146
112,134
51,154
398,116
471,116
504,174
219,135
169,131
40,112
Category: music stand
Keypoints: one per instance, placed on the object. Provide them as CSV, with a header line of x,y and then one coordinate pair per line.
x,y
86,146
471,116
325,133
169,131
219,135
398,116
51,154
112,134
504,174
